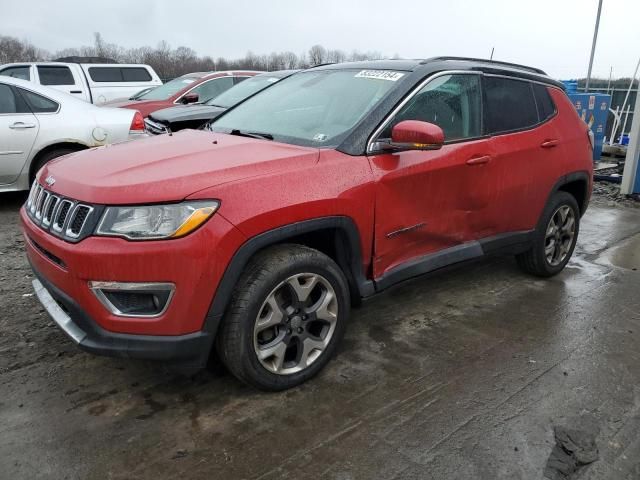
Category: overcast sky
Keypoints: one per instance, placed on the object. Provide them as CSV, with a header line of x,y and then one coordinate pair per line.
x,y
554,35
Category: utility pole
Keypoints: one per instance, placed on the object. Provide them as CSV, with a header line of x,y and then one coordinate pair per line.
x,y
593,45
491,57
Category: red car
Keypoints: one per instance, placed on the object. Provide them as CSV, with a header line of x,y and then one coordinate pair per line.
x,y
254,239
190,88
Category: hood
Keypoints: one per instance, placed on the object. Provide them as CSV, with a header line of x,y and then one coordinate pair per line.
x,y
169,167
184,113
145,107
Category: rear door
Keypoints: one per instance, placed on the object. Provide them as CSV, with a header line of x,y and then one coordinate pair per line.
x,y
18,132
428,201
63,78
525,142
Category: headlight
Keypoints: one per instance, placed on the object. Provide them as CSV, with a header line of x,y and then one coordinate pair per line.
x,y
156,221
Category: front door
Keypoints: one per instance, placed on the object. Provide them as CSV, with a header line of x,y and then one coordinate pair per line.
x,y
431,201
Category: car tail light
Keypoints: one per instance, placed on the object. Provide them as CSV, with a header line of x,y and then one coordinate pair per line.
x,y
591,139
137,124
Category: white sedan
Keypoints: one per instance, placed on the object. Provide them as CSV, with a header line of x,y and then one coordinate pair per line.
x,y
39,123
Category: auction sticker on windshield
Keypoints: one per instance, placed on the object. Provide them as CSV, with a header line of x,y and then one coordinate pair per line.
x,y
380,75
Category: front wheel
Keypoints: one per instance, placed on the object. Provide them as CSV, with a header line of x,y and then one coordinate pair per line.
x,y
285,319
555,237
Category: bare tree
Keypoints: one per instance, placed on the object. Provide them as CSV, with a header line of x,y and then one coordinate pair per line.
x,y
317,55
170,63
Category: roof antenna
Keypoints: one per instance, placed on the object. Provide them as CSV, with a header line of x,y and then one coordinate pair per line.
x,y
492,49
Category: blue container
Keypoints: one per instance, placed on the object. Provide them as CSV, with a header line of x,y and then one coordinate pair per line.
x,y
593,108
571,86
624,139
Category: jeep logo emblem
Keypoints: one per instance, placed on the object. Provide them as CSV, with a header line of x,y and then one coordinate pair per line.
x,y
50,181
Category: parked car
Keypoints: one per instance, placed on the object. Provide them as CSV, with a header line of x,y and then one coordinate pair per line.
x,y
333,185
91,82
190,88
180,117
38,124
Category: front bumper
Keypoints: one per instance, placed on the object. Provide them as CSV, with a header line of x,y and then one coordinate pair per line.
x,y
191,349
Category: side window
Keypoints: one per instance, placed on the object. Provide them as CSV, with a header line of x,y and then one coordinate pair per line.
x,y
38,103
237,80
8,103
453,102
17,72
510,105
212,88
105,74
546,107
135,74
55,75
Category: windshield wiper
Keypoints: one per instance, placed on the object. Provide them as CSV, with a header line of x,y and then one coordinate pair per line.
x,y
263,136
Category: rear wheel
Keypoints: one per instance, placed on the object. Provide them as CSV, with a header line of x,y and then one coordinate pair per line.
x,y
555,237
285,319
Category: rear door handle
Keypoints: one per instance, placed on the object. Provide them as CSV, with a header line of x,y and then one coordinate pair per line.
x,y
22,125
479,160
549,143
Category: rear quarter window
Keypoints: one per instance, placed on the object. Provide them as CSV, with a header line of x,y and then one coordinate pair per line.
x,y
509,105
546,107
38,103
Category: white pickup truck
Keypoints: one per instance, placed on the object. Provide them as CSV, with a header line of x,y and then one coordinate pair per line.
x,y
96,83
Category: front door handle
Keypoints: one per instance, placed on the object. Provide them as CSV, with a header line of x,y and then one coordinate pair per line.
x,y
479,160
22,125
549,143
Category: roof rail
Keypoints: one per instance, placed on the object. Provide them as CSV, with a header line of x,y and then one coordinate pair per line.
x,y
485,60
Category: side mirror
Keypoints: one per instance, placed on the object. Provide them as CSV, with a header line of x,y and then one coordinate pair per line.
x,y
190,98
415,135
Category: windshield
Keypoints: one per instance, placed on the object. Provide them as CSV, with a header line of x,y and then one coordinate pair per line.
x,y
314,108
163,92
242,90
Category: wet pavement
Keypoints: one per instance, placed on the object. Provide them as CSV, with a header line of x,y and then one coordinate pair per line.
x,y
469,374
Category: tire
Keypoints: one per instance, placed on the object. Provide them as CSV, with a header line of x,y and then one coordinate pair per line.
x,y
288,295
47,157
538,260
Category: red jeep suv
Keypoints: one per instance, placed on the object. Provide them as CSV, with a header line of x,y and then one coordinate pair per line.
x,y
254,238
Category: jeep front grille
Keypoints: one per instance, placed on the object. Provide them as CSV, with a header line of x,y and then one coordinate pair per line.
x,y
63,217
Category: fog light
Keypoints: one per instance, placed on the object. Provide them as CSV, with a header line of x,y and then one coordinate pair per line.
x,y
143,300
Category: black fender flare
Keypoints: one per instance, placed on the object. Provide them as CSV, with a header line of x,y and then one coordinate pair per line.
x,y
581,175
351,260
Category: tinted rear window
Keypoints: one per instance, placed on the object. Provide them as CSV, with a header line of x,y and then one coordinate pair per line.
x,y
119,74
510,105
135,74
546,107
55,75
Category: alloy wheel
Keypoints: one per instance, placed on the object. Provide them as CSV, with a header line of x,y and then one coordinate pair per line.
x,y
295,323
560,235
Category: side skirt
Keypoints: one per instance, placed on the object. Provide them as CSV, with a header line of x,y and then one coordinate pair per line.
x,y
507,243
